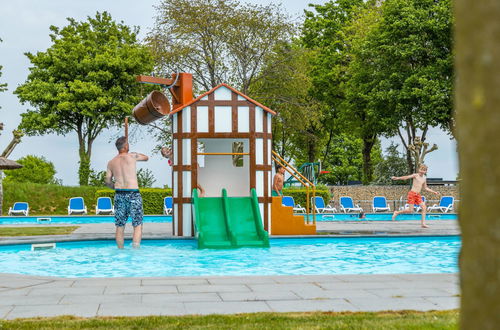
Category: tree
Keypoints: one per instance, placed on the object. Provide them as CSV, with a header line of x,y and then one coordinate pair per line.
x,y
478,113
297,126
393,164
345,160
217,40
408,59
35,169
145,178
85,82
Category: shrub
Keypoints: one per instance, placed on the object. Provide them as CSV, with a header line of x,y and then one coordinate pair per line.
x,y
152,198
300,194
35,169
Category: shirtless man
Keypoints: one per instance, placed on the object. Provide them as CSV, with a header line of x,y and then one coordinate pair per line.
x,y
414,197
128,200
278,180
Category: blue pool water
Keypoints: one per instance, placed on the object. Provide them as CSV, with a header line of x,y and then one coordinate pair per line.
x,y
79,219
162,218
380,255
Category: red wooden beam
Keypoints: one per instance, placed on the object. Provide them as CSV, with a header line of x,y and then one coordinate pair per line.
x,y
156,80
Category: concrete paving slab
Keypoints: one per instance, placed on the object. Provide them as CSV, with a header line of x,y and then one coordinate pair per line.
x,y
411,292
340,294
356,285
51,299
82,310
56,284
22,282
173,281
71,291
5,310
226,307
336,305
213,288
101,298
241,280
444,303
311,278
369,278
180,298
284,287
258,296
384,304
140,289
114,309
15,292
106,282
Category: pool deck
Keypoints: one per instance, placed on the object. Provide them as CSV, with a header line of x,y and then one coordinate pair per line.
x,y
32,296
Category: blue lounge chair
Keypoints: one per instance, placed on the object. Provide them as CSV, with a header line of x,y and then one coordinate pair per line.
x,y
320,207
288,201
379,203
76,206
167,205
445,204
347,205
104,206
19,208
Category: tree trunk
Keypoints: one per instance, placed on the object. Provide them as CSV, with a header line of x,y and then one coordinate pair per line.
x,y
1,192
84,163
478,114
368,144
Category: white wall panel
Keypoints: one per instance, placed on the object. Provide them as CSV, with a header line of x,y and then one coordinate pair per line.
x,y
175,152
259,183
223,94
258,119
223,119
259,151
269,122
186,184
186,217
243,119
241,98
202,119
174,122
186,151
186,120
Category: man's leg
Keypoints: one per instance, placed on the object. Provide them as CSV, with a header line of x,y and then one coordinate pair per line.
x,y
137,236
424,212
120,230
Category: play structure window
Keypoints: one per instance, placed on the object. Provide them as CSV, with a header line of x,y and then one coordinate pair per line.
x,y
238,159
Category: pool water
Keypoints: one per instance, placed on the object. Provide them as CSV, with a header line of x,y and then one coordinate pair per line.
x,y
78,219
168,218
296,256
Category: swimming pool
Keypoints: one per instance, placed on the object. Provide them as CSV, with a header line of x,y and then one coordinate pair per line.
x,y
361,255
382,217
168,218
76,219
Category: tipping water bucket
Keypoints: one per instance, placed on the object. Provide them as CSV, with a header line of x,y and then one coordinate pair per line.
x,y
152,107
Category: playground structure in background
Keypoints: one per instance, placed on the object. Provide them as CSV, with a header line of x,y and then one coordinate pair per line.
x,y
221,141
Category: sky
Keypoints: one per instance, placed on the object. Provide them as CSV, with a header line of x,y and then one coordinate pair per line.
x,y
24,27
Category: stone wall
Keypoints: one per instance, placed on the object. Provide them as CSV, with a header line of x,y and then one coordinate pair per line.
x,y
395,194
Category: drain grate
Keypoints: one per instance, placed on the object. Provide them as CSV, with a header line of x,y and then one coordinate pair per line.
x,y
43,246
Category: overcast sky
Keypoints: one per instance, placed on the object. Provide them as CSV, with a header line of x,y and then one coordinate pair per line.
x,y
24,27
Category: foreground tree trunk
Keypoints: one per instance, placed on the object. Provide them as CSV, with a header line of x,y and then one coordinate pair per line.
x,y
478,117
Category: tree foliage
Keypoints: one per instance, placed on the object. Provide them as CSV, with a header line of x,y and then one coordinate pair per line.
x,y
217,40
85,82
35,170
145,178
393,164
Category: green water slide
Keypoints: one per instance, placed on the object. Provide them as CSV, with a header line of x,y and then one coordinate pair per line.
x,y
228,222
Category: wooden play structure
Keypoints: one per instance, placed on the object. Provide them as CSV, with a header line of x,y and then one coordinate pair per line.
x,y
221,141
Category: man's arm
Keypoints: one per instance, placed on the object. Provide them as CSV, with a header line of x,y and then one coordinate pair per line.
x,y
139,157
108,180
406,177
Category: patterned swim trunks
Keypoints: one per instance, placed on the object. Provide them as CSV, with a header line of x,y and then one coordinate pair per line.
x,y
128,202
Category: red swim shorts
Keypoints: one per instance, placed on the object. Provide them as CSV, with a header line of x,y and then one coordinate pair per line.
x,y
414,198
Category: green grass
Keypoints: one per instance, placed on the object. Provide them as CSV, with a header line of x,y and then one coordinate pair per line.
x,y
317,320
33,231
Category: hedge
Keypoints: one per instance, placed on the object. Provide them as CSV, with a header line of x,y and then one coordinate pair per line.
x,y
46,199
300,194
152,198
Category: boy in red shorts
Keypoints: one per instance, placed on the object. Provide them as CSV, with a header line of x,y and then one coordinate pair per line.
x,y
414,197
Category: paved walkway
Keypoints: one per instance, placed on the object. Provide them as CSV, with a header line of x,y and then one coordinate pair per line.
x,y
31,296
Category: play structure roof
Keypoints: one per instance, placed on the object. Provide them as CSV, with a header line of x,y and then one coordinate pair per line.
x,y
215,88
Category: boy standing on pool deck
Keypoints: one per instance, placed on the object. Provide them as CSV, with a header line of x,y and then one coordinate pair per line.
x,y
414,197
128,200
278,180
